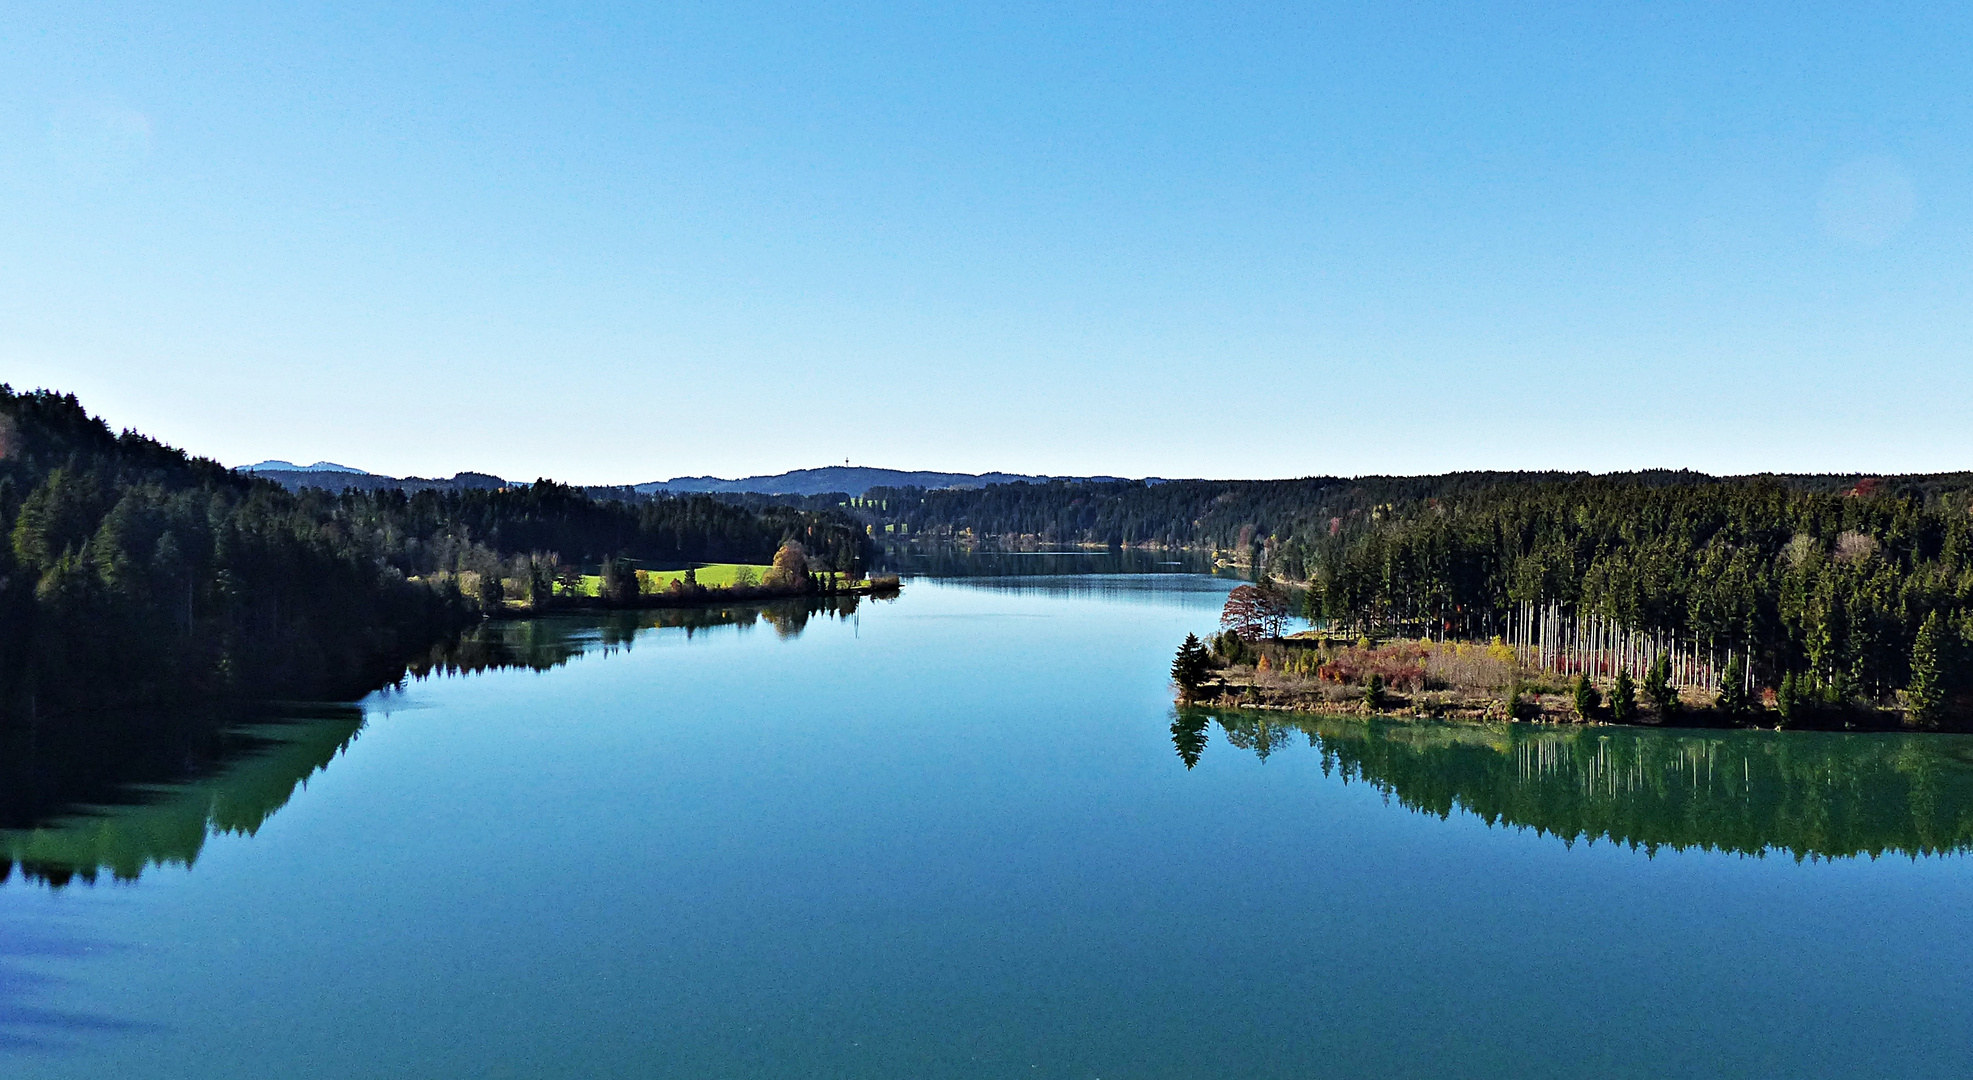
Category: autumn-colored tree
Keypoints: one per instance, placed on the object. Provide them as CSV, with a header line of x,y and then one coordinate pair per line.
x,y
790,570
1255,611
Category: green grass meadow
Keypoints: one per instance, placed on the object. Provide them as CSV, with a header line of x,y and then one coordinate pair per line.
x,y
712,575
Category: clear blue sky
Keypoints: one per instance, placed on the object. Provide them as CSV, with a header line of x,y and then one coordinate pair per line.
x,y
611,245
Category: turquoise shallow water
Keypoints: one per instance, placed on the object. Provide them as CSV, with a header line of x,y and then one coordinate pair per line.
x,y
951,836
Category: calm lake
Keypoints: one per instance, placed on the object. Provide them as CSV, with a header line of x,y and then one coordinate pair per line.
x,y
956,835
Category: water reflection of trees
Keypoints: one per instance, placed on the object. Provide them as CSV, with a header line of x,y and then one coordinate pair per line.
x,y
136,790
1812,794
951,560
546,643
117,807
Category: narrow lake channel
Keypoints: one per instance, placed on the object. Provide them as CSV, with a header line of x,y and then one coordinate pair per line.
x,y
965,834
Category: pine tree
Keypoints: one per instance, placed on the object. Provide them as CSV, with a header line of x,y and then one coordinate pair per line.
x,y
1189,667
1836,691
1658,687
1732,701
1788,699
1373,692
1587,698
1926,695
1312,602
492,594
1623,699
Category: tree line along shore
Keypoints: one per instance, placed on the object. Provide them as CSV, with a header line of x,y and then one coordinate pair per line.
x,y
132,573
1852,591
538,585
1602,676
132,570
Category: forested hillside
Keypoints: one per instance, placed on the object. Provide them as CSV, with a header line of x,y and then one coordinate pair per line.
x,y
1835,586
133,573
1280,516
1855,593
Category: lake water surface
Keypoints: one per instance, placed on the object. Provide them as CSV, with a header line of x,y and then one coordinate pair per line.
x,y
957,835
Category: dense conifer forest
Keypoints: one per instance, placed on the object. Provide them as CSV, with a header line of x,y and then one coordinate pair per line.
x,y
133,573
1836,587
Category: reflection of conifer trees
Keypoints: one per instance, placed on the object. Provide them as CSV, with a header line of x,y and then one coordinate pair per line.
x,y
1188,734
944,560
1810,794
1261,732
156,786
542,644
171,783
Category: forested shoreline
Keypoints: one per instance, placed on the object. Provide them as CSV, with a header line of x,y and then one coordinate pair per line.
x,y
1836,591
136,574
133,572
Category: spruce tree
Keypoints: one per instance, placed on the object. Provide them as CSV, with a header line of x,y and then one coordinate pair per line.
x,y
1658,687
492,595
1312,602
1587,698
1732,701
1189,667
1926,695
1623,699
1836,691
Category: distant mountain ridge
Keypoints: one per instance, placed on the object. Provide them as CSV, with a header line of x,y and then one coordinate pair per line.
x,y
289,466
329,476
848,479
851,479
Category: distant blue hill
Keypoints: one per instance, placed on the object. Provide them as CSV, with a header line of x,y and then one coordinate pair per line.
x,y
330,476
853,480
289,466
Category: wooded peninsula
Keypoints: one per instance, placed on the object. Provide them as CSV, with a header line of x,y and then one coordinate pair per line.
x,y
135,574
1751,601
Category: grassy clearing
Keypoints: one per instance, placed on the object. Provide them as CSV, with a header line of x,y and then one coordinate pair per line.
x,y
712,575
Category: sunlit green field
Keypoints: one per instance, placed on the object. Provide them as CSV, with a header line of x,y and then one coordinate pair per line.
x,y
712,575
